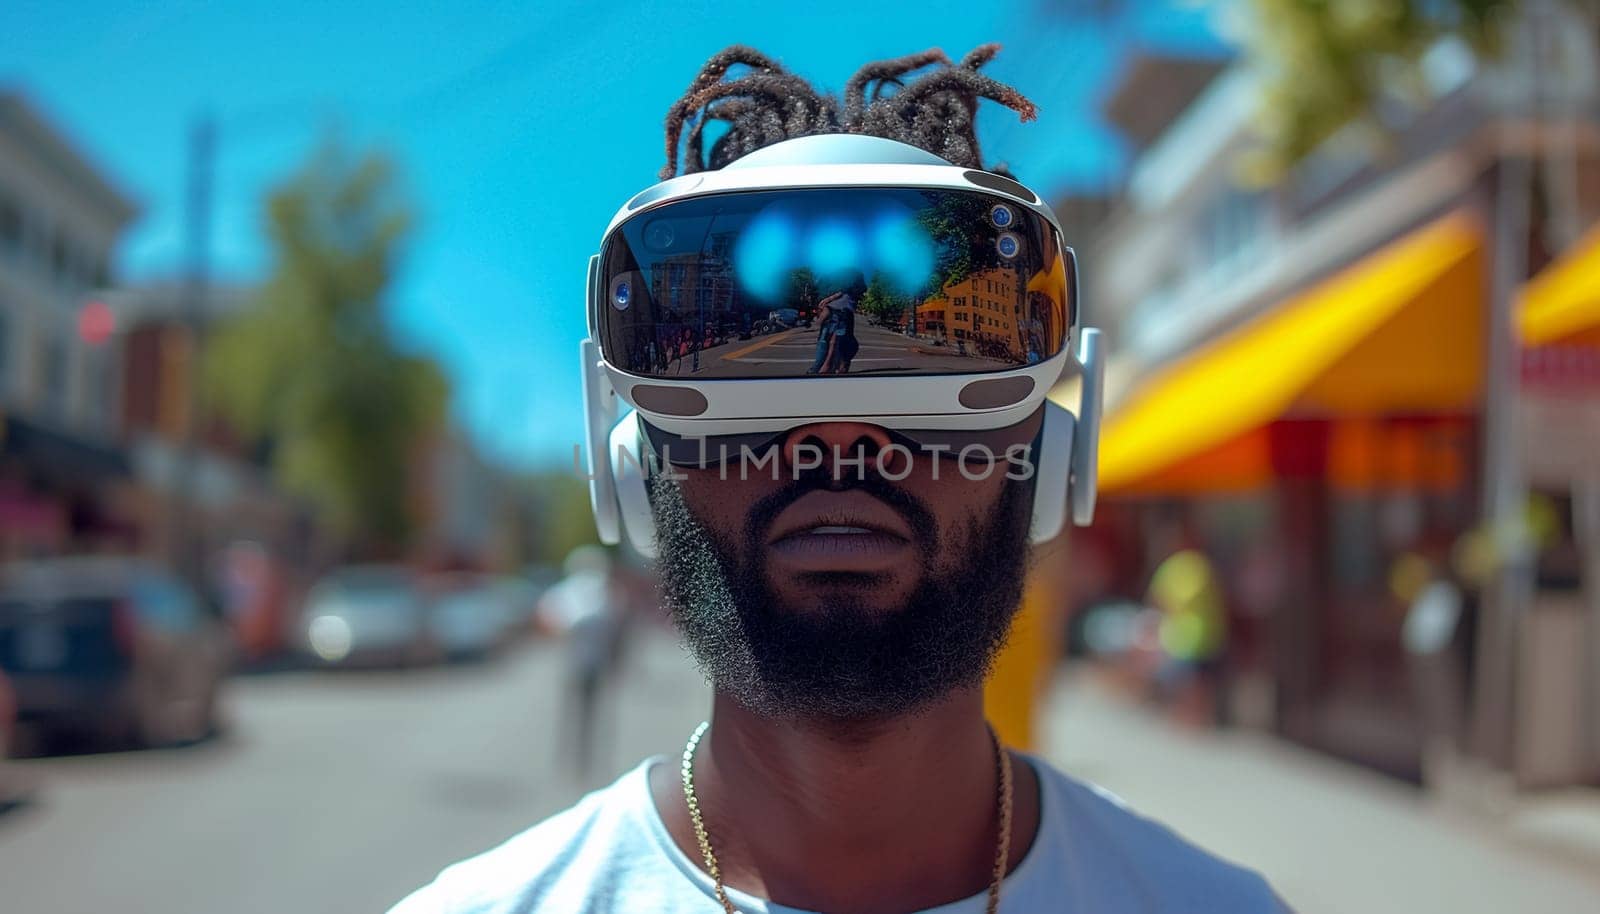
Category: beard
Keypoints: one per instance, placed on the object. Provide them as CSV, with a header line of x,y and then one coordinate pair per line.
x,y
839,658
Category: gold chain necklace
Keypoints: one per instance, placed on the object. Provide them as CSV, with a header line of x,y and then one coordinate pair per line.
x,y
1002,850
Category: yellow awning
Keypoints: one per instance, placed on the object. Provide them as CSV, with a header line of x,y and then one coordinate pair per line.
x,y
1401,331
1562,303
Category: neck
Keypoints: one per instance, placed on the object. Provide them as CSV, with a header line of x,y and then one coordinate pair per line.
x,y
887,815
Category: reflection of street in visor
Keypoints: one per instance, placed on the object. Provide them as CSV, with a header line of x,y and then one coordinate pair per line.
x,y
864,281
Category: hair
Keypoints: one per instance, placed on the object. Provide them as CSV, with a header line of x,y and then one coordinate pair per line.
x,y
767,104
851,281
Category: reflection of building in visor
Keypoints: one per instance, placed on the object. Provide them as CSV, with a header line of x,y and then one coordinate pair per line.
x,y
866,281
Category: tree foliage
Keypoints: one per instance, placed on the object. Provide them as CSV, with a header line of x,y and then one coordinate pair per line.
x,y
1329,64
881,301
312,369
959,227
564,517
803,293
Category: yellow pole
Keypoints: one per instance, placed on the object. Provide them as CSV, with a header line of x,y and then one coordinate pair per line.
x,y
1011,697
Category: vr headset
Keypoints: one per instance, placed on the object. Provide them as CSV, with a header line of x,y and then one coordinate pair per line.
x,y
825,279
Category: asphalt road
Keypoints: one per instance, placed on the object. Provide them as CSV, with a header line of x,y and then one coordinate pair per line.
x,y
329,792
791,352
340,793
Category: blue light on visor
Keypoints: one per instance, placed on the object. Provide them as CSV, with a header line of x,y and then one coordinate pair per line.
x,y
818,281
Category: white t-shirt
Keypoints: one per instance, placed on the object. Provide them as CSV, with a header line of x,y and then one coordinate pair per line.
x,y
611,854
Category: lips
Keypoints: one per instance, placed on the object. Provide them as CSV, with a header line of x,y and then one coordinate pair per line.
x,y
839,531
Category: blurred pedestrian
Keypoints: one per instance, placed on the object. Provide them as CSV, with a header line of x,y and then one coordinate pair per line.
x,y
1193,635
1437,642
842,342
587,610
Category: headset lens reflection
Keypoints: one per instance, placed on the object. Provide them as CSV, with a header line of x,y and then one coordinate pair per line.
x,y
860,281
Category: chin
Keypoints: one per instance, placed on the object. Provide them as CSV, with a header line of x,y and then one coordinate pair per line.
x,y
842,595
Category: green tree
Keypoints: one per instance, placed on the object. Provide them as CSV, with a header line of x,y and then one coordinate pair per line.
x,y
563,517
803,289
312,369
881,302
1330,64
959,227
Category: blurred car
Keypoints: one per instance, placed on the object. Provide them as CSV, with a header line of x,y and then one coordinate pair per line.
x,y
15,785
7,729
8,718
1106,629
112,647
367,615
469,615
778,319
523,592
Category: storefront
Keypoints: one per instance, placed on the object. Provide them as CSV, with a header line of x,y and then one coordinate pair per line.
x,y
59,493
1557,694
1306,452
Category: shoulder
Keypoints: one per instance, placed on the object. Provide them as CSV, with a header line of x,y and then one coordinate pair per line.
x,y
560,864
1139,864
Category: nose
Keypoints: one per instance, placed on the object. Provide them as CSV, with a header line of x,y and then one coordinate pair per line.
x,y
846,450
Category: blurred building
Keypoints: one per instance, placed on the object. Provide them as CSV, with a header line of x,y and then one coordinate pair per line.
x,y
1082,213
466,506
188,461
1317,379
60,220
203,497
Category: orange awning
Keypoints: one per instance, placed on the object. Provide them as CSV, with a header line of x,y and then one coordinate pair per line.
x,y
1399,332
1562,303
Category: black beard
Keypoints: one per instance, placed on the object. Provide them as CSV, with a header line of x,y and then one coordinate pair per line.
x,y
841,661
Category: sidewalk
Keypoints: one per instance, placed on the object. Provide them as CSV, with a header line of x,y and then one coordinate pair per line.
x,y
1332,838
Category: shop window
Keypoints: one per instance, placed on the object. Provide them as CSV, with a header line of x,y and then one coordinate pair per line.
x,y
101,374
53,366
5,349
1559,565
1358,553
57,254
10,226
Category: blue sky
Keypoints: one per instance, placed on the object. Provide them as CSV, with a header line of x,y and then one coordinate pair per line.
x,y
519,129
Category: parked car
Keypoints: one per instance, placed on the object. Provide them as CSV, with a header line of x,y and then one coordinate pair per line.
x,y
112,647
11,782
524,591
469,615
8,718
367,615
777,320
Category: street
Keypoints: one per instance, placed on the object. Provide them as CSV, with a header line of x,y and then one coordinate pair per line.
x,y
331,793
1331,837
789,352
341,792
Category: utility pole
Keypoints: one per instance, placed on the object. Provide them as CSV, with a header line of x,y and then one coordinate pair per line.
x,y
1509,589
185,544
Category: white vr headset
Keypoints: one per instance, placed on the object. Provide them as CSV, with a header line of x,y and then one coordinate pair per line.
x,y
734,305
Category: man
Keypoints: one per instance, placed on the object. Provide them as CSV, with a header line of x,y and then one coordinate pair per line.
x,y
846,584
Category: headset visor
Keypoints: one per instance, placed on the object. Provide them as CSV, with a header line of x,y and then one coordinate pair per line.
x,y
874,281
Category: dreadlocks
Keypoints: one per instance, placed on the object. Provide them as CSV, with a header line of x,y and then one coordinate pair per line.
x,y
936,111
